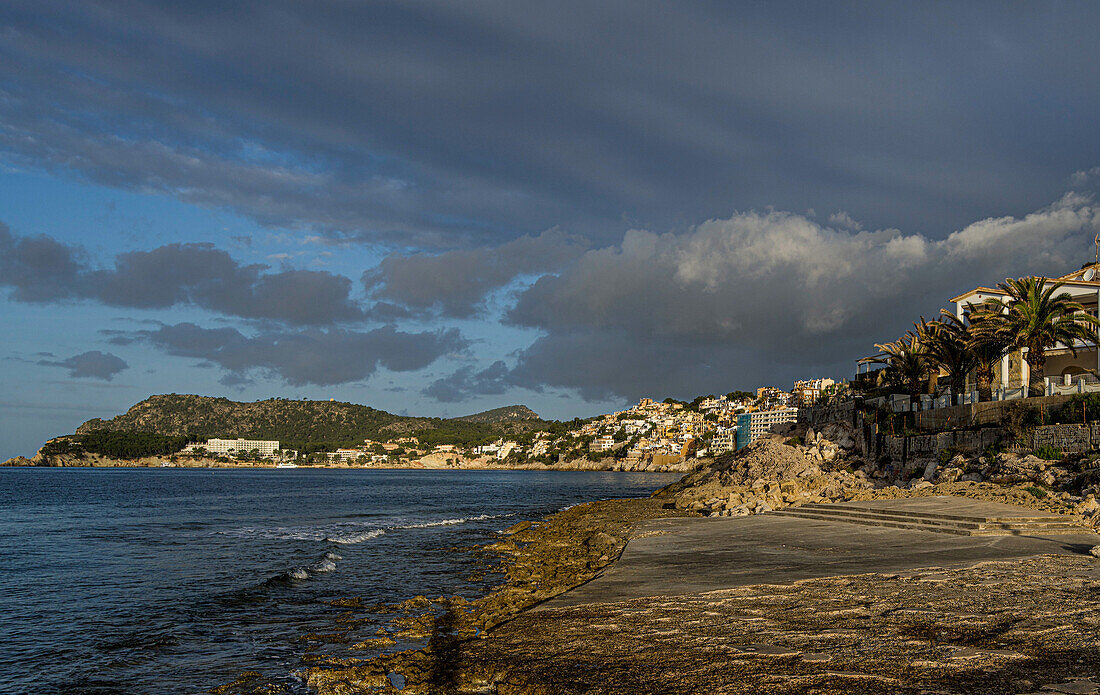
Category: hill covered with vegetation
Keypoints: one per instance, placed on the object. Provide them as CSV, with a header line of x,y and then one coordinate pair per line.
x,y
509,413
303,425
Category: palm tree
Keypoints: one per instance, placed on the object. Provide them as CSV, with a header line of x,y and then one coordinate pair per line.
x,y
1032,316
946,344
987,348
905,363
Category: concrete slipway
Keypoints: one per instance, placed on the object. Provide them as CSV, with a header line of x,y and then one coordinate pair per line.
x,y
693,555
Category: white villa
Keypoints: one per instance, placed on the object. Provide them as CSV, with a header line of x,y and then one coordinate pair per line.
x,y
604,443
1063,372
1061,366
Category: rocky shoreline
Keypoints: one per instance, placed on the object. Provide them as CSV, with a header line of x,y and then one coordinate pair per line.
x,y
538,560
427,463
996,627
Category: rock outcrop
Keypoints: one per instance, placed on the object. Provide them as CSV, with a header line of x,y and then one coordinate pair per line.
x,y
767,475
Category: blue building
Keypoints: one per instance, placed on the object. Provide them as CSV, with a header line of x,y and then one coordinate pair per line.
x,y
744,429
752,426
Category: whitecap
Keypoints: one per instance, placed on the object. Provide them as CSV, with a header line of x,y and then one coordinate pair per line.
x,y
349,533
353,538
453,522
298,573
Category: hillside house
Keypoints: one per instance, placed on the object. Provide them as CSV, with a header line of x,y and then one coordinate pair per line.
x,y
1084,287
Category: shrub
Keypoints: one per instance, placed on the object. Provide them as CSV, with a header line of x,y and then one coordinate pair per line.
x,y
1087,404
794,441
1017,419
1036,491
1049,453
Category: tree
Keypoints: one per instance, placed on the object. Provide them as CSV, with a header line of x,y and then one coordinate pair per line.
x,y
987,349
1034,317
905,364
946,344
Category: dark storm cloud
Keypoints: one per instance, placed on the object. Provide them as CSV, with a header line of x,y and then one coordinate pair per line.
x,y
41,269
92,365
493,119
467,381
320,357
208,277
38,268
760,297
618,364
457,132
456,282
235,380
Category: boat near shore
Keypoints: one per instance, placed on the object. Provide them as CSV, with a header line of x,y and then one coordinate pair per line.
x,y
286,465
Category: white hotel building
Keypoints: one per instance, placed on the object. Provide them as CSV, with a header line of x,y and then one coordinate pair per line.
x,y
266,447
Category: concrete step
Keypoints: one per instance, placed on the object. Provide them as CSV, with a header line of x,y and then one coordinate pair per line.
x,y
960,525
934,517
908,513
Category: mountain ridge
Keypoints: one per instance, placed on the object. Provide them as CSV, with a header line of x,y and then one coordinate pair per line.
x,y
508,413
200,417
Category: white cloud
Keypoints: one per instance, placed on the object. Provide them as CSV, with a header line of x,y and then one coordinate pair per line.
x,y
1080,179
780,289
841,218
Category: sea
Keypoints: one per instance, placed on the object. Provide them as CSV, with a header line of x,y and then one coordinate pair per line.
x,y
148,581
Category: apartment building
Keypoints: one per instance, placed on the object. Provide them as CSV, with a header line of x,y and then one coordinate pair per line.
x,y
807,391
602,443
266,447
772,398
724,440
752,426
346,454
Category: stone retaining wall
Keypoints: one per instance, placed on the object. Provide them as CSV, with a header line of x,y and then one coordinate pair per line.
x,y
823,414
984,414
1069,439
930,445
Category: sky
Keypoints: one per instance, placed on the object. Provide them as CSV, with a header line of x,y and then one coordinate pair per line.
x,y
439,208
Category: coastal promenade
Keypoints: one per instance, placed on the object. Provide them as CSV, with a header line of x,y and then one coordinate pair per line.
x,y
679,556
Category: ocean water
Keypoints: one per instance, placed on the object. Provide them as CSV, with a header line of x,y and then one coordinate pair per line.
x,y
151,581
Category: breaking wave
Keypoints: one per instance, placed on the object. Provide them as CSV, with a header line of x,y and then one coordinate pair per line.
x,y
361,536
353,538
350,533
327,563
